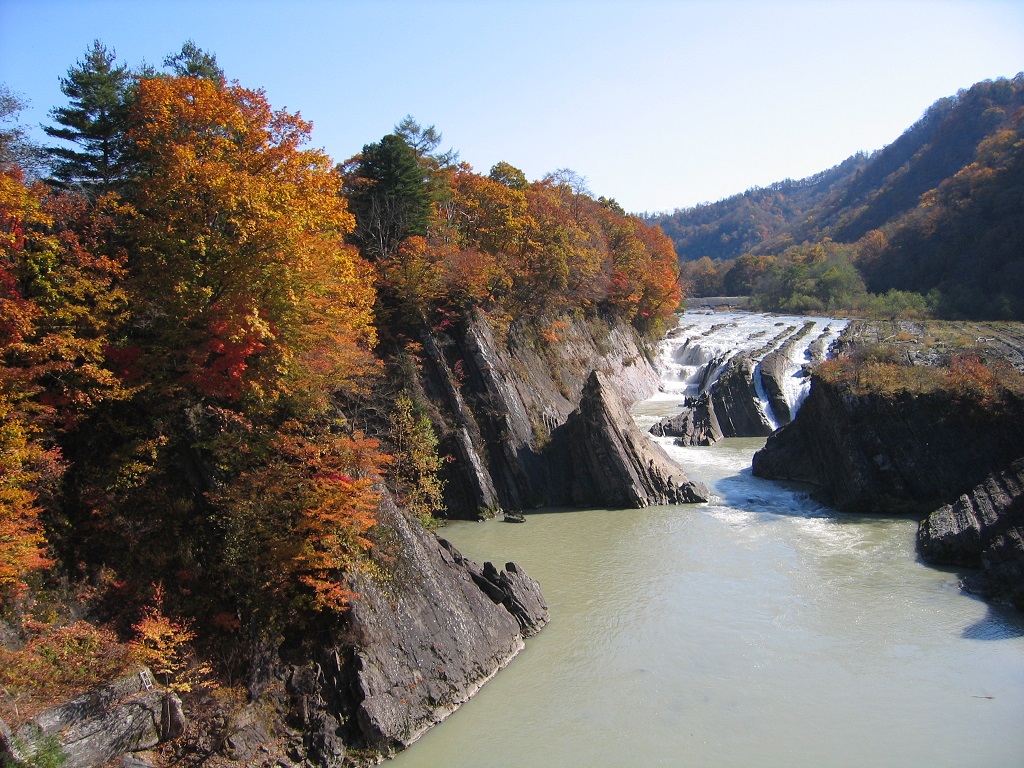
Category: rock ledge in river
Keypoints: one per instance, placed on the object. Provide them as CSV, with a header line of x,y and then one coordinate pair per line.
x,y
983,529
431,632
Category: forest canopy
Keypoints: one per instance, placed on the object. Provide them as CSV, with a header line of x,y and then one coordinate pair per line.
x,y
198,317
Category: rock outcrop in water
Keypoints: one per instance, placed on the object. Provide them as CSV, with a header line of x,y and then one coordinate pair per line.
x,y
956,459
613,463
983,529
890,454
428,632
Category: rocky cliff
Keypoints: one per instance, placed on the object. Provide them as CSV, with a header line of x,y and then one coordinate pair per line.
x,y
528,423
889,453
898,450
428,628
503,406
983,529
129,714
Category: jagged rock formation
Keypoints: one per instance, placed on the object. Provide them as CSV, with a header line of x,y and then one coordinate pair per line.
x,y
500,404
983,529
428,629
129,714
613,462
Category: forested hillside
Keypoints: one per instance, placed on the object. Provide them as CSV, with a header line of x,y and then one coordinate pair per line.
x,y
934,221
753,219
209,333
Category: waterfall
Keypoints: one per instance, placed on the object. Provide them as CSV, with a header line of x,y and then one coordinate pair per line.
x,y
697,352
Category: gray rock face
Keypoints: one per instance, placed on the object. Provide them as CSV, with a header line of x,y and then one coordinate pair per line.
x,y
900,453
500,405
101,725
511,588
431,632
773,371
613,463
734,399
983,529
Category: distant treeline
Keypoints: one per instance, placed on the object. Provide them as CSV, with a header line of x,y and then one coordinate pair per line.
x,y
932,223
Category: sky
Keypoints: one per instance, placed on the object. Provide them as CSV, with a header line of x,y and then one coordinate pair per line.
x,y
658,104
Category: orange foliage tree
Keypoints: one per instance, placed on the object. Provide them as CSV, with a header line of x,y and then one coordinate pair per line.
x,y
252,314
59,301
238,239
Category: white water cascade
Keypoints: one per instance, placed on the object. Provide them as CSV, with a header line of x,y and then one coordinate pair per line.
x,y
698,350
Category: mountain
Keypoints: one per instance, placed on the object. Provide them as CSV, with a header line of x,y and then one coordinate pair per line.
x,y
939,212
749,221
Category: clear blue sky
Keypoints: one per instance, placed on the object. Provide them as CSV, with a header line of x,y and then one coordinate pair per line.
x,y
658,104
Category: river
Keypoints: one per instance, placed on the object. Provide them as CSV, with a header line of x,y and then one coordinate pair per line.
x,y
760,629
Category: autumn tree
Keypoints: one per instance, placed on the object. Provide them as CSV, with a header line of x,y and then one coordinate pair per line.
x,y
59,302
239,243
163,643
250,316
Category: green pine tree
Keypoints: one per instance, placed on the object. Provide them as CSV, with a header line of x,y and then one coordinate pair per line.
x,y
95,120
390,196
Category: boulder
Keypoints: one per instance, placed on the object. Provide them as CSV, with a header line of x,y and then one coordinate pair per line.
x,y
127,715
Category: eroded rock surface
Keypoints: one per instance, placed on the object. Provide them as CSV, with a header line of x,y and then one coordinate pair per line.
x,y
128,715
614,463
501,404
983,529
894,453
428,634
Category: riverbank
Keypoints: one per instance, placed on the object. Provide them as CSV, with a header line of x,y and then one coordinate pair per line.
x,y
759,629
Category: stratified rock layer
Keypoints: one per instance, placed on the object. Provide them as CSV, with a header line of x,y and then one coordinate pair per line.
x,y
500,405
613,462
431,631
892,453
983,529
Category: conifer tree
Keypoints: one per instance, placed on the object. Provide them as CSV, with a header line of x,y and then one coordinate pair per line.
x,y
390,196
95,121
193,61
